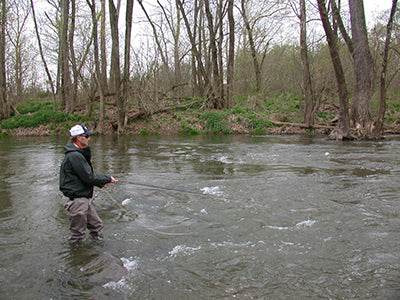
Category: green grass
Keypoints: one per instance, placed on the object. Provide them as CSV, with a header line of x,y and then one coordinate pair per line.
x,y
216,122
34,113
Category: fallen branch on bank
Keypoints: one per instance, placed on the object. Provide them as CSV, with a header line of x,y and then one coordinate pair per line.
x,y
142,114
302,125
393,130
160,110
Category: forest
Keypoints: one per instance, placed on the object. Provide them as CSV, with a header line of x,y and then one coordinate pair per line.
x,y
118,62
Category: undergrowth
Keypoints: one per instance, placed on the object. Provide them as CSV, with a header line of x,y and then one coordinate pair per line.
x,y
34,114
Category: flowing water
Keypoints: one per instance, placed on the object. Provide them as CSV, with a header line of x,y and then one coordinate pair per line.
x,y
273,218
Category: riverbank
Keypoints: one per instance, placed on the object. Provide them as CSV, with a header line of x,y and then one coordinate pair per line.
x,y
172,123
271,117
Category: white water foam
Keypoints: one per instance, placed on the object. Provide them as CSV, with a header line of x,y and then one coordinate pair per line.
x,y
126,201
307,223
182,249
130,264
214,190
302,224
224,159
116,285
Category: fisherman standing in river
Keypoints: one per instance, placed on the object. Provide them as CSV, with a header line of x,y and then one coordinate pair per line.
x,y
77,181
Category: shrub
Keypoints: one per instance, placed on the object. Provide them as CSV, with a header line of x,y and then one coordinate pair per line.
x,y
186,129
215,122
41,117
33,106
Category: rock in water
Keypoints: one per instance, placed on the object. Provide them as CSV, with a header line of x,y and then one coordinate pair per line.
x,y
104,268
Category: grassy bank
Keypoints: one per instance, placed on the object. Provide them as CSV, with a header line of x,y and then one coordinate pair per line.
x,y
280,114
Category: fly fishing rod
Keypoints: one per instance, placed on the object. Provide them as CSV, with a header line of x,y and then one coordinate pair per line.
x,y
155,187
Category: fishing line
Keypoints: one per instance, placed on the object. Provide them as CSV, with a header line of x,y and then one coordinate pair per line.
x,y
155,187
140,222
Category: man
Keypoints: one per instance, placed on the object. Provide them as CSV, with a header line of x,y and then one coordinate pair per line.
x,y
77,181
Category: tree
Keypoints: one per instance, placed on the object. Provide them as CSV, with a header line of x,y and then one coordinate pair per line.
x,y
361,114
231,53
215,95
342,127
199,69
5,105
307,83
103,53
16,32
262,21
378,129
75,71
98,77
115,71
64,58
49,77
122,103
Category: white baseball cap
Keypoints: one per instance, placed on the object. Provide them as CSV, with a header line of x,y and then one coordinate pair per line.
x,y
80,129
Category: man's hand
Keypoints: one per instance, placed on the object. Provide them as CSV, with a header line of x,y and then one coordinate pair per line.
x,y
113,180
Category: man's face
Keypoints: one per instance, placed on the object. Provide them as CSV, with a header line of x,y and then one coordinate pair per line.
x,y
83,140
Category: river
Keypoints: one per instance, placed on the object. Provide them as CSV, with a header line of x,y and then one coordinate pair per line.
x,y
270,217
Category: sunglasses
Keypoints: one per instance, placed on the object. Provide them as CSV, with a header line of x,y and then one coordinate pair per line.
x,y
85,136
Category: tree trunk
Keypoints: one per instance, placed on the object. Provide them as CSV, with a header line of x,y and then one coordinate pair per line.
x,y
18,24
340,25
92,5
307,88
103,54
231,54
50,79
5,105
257,69
342,128
157,40
74,66
378,129
200,70
214,95
122,119
64,57
361,114
220,41
177,58
115,72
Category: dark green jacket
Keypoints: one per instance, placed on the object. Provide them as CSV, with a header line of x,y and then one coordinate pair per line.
x,y
77,178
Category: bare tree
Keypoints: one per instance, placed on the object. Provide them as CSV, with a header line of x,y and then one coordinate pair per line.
x,y
92,5
378,130
122,103
307,83
262,20
75,74
49,77
115,71
307,86
201,75
361,114
231,53
342,127
103,53
215,95
174,19
156,35
16,32
64,58
5,112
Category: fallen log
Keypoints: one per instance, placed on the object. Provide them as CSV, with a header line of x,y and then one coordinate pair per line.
x,y
302,125
142,114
